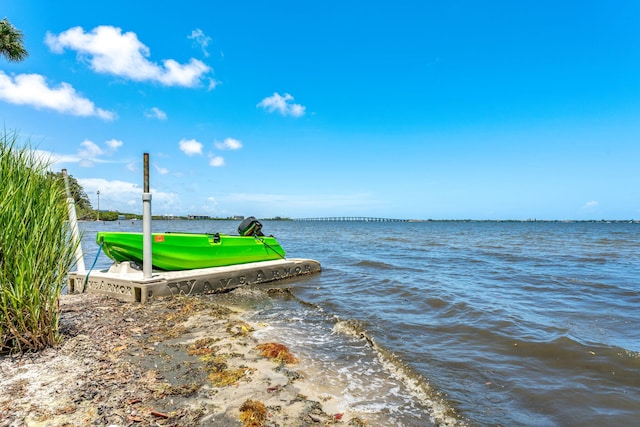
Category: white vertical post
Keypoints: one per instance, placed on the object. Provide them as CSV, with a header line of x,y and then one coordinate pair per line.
x,y
73,224
147,254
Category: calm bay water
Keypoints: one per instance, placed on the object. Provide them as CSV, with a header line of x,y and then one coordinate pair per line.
x,y
457,323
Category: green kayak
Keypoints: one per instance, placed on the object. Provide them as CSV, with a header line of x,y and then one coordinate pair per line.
x,y
185,251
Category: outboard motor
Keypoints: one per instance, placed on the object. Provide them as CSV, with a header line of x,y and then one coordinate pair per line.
x,y
250,227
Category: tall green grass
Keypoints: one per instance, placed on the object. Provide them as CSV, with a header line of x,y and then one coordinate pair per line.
x,y
36,250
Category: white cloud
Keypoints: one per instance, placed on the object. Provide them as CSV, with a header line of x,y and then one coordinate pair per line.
x,y
107,50
190,147
32,89
54,160
132,166
88,153
282,105
114,144
201,39
161,170
296,110
211,203
156,113
89,149
124,196
591,204
216,161
109,188
212,84
228,144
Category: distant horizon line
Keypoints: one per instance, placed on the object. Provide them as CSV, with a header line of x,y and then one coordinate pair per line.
x,y
191,217
374,219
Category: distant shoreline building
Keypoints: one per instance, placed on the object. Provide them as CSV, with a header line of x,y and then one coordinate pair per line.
x,y
197,216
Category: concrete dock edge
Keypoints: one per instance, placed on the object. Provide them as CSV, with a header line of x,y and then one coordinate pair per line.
x,y
125,282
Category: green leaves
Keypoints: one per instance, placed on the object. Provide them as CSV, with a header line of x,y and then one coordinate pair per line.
x,y
37,250
84,210
11,45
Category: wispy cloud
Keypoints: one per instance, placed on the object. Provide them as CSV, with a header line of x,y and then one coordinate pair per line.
x,y
132,166
216,161
160,169
155,113
282,105
55,160
190,147
201,39
108,50
33,90
590,205
114,144
90,153
89,149
228,144
125,196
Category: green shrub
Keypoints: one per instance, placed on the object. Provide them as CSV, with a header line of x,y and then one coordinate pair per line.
x,y
36,250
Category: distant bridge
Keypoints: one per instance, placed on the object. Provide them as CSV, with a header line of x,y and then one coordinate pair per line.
x,y
352,218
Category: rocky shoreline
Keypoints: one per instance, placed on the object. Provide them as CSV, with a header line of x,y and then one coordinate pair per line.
x,y
180,361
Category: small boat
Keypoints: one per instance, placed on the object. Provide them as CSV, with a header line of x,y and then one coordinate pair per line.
x,y
186,251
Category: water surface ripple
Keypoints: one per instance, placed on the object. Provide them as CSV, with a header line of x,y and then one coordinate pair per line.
x,y
469,323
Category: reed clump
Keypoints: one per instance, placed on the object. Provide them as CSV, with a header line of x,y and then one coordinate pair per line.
x,y
36,250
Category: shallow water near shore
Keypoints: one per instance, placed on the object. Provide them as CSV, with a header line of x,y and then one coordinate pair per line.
x,y
470,323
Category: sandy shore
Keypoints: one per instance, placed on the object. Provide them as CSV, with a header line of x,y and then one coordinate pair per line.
x,y
180,361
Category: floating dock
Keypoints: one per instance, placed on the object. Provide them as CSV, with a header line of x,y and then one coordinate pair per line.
x,y
126,282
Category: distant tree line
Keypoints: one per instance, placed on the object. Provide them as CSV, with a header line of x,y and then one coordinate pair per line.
x,y
84,210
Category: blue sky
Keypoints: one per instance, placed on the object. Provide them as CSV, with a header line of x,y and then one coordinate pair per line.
x,y
406,109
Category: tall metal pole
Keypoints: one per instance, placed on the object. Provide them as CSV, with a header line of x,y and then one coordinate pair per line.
x,y
146,224
98,193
